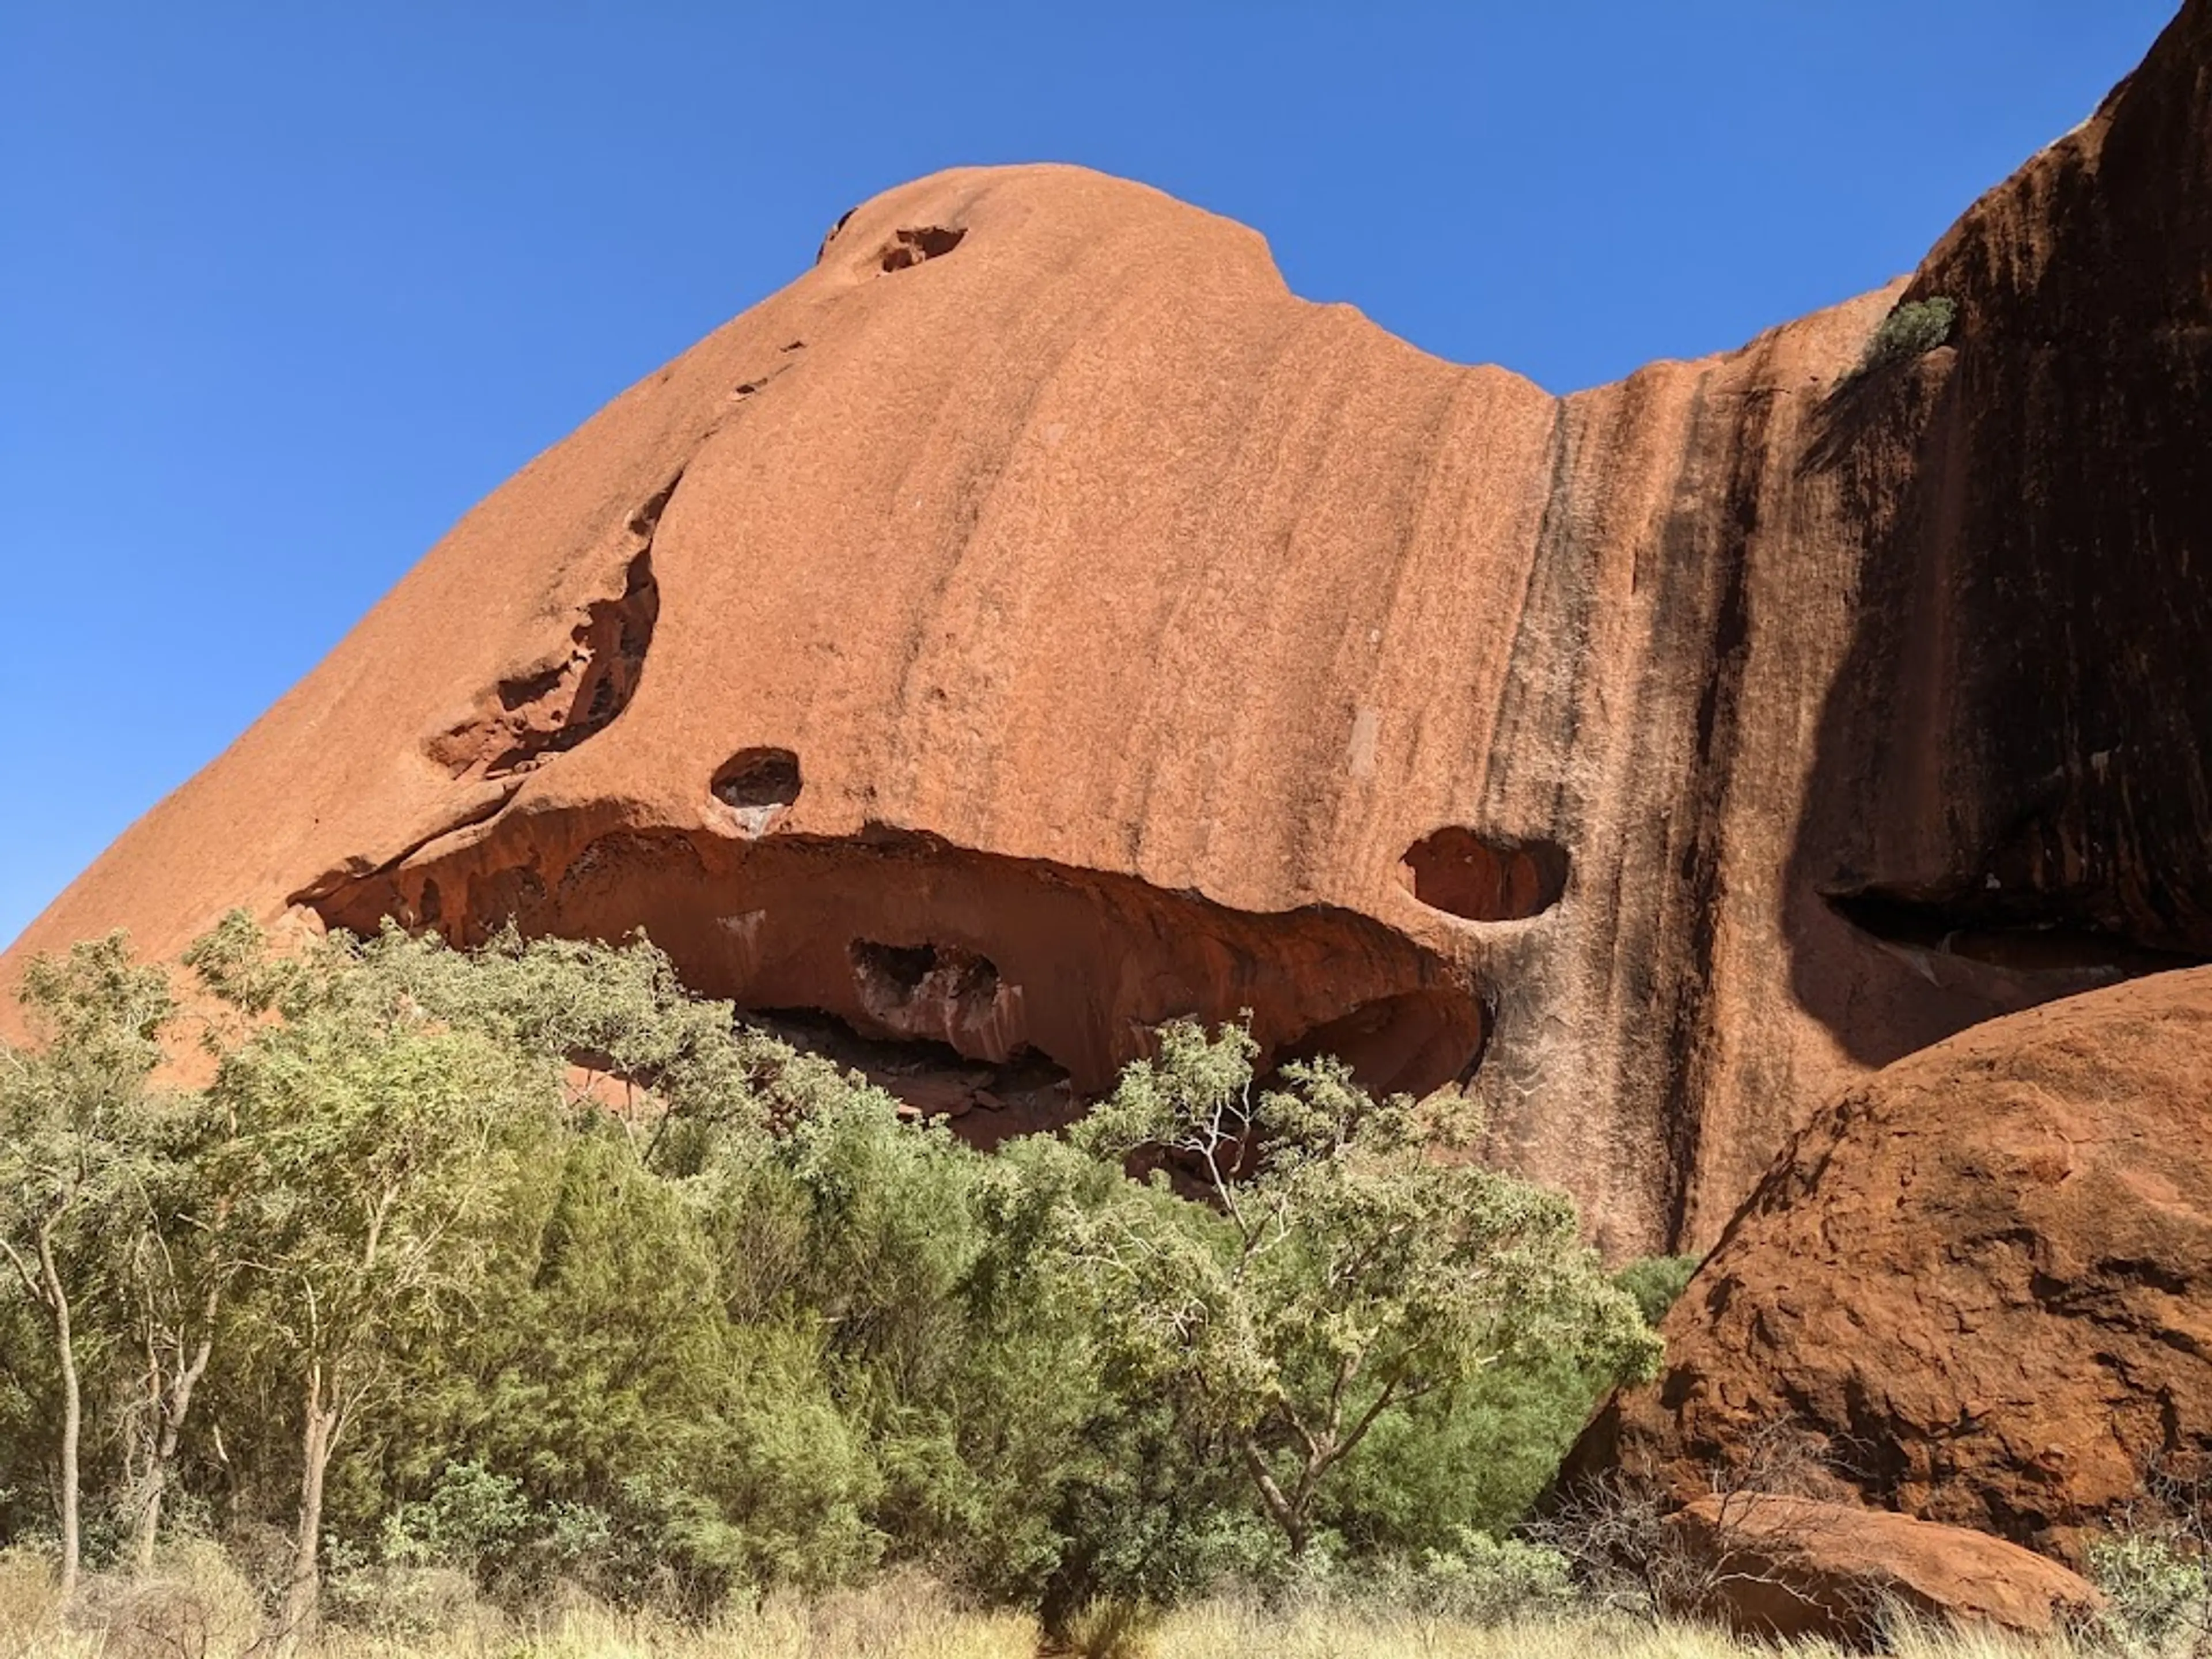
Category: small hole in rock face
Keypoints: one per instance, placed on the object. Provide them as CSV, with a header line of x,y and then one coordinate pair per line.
x,y
758,785
758,777
911,248
1484,877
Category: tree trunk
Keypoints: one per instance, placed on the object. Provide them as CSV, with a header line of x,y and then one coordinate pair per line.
x,y
175,1405
57,1303
303,1596
1289,1517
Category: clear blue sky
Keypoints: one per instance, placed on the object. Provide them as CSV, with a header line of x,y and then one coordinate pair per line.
x,y
284,288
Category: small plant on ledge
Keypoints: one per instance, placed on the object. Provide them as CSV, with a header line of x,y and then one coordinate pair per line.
x,y
1918,326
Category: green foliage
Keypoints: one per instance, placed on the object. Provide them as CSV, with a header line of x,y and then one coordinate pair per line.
x,y
412,1294
1475,1457
78,1139
1478,1578
1656,1282
472,1516
2158,1591
1918,326
1350,1273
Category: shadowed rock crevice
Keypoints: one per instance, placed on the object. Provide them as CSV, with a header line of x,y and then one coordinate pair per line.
x,y
833,233
900,935
1414,1034
550,710
939,992
358,872
2018,936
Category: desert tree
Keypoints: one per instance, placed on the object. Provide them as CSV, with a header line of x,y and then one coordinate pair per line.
x,y
1354,1259
72,1159
379,1154
174,1259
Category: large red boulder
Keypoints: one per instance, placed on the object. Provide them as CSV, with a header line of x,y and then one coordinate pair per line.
x,y
1979,1284
1794,1568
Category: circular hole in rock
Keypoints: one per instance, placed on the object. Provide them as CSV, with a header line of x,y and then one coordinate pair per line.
x,y
758,785
1484,877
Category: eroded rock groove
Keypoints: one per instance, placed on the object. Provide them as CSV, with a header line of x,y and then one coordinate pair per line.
x,y
550,710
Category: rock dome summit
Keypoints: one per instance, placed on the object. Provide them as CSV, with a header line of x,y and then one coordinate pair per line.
x,y
1035,622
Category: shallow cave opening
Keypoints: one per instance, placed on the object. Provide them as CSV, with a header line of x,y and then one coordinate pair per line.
x,y
1479,877
2015,933
903,972
941,992
906,939
1417,1039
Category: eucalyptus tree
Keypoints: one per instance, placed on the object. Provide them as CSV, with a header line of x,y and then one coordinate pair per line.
x,y
1355,1259
381,1155
174,1258
73,1159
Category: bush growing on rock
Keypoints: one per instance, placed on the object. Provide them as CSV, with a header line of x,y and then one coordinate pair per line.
x,y
1909,330
1656,1282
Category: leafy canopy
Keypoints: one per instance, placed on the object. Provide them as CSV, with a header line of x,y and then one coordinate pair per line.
x,y
1357,1261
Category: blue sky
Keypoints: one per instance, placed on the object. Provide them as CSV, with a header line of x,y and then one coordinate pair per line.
x,y
285,289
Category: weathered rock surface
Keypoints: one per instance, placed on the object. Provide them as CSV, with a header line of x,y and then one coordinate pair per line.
x,y
1035,622
1794,1568
1981,1281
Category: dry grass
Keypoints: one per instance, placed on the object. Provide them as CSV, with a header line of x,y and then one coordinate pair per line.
x,y
1228,1630
198,1607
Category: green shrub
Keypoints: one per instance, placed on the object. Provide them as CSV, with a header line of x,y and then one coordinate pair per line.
x,y
1918,326
1657,1282
1346,1276
470,1516
2157,1590
1486,1580
1472,1460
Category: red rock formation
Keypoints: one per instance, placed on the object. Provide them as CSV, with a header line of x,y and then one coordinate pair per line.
x,y
1981,1281
1793,1569
1036,584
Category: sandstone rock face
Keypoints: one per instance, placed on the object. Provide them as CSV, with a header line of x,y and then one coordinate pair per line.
x,y
1982,1280
1035,622
1795,1568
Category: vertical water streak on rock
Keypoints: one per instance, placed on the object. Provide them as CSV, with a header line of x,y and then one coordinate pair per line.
x,y
1721,540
